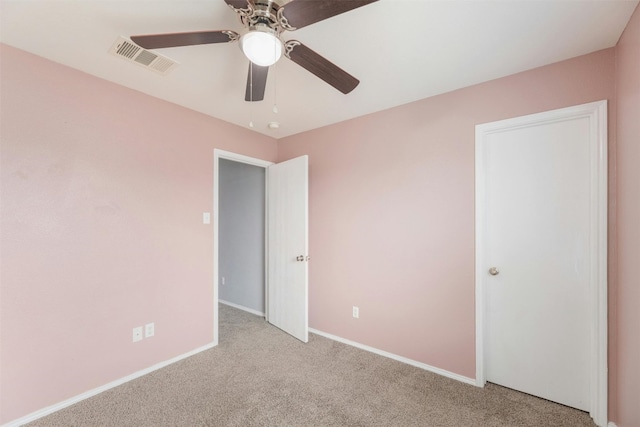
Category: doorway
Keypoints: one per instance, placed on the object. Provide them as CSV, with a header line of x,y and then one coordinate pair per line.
x,y
541,256
241,236
231,166
285,234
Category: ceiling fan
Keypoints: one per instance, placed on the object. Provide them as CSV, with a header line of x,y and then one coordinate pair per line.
x,y
265,21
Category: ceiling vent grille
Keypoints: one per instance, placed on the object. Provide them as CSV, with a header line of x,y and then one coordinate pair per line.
x,y
130,51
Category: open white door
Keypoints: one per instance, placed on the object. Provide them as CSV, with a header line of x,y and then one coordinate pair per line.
x,y
287,247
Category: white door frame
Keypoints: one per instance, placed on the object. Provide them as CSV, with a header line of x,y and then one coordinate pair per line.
x,y
217,155
596,112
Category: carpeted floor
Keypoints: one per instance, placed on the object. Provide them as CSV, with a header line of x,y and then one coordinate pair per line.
x,y
259,376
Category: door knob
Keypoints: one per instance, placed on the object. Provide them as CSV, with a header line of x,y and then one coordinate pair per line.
x,y
494,271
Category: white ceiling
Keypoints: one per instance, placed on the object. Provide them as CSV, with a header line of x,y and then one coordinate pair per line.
x,y
400,50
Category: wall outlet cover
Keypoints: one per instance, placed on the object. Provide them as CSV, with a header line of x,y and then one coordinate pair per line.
x,y
137,334
149,330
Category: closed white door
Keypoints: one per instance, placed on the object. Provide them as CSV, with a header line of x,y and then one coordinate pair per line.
x,y
537,254
287,246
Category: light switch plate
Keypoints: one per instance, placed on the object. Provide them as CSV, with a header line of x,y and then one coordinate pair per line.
x,y
206,217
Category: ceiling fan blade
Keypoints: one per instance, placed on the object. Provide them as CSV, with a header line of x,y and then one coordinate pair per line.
x,y
156,41
256,83
300,13
321,67
237,4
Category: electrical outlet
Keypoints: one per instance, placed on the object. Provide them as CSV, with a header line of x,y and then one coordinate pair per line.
x,y
137,334
356,312
223,280
149,330
206,217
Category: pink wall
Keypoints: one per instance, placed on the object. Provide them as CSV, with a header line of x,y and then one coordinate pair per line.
x,y
627,411
103,190
392,210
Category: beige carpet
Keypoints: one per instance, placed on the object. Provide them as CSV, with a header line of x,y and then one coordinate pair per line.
x,y
259,376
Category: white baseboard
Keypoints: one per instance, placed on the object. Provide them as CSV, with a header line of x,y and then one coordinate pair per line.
x,y
241,307
61,405
402,359
611,424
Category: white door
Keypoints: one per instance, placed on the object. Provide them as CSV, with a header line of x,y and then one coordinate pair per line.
x,y
537,257
287,246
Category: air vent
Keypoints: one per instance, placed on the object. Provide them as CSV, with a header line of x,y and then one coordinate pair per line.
x,y
130,51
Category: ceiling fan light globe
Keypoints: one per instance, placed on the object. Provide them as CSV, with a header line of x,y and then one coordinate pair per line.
x,y
262,48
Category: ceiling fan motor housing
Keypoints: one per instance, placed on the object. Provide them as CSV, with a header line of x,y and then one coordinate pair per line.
x,y
261,14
